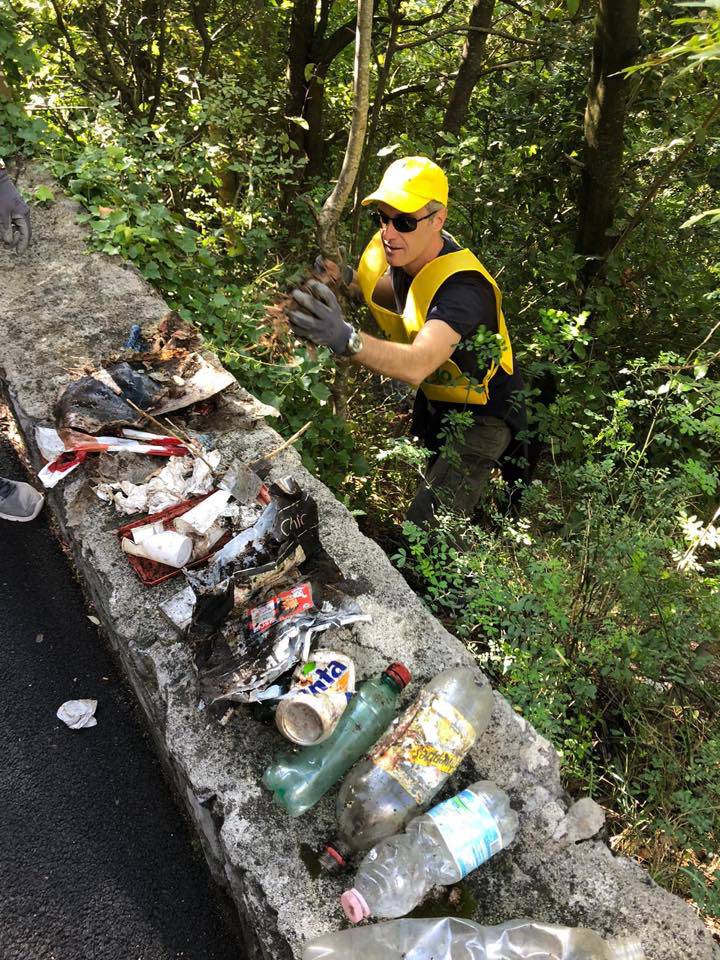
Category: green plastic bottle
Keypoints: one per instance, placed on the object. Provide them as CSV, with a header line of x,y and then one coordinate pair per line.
x,y
299,780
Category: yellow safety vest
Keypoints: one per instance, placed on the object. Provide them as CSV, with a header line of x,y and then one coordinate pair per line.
x,y
448,383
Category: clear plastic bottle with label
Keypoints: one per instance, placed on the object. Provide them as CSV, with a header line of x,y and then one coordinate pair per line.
x,y
413,760
298,781
450,938
439,847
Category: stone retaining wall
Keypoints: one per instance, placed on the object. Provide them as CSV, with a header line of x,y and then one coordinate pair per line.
x,y
62,307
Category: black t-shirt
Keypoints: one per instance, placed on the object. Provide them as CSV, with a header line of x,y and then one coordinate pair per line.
x,y
465,302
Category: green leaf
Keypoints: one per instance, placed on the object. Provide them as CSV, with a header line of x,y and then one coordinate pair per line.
x,y
309,68
44,194
572,6
300,121
185,241
320,391
151,271
713,214
384,151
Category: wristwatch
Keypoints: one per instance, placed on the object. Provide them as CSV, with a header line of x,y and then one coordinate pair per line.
x,y
354,344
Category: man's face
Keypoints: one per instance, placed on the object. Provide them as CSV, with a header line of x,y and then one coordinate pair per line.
x,y
402,249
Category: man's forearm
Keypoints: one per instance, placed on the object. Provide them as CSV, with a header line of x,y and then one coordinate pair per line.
x,y
399,361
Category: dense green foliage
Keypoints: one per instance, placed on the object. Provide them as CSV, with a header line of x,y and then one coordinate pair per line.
x,y
597,611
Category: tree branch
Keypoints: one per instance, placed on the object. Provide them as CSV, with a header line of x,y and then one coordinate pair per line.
x,y
525,12
333,206
660,180
323,19
198,13
333,45
489,31
431,16
410,88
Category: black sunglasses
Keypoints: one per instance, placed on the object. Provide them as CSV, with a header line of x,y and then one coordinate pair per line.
x,y
403,222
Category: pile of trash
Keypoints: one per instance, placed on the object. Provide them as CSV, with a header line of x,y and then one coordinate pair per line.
x,y
103,410
259,595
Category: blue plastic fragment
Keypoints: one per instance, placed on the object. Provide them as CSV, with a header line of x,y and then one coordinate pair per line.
x,y
133,342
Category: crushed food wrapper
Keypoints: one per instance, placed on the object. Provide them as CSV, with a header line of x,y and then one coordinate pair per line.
x,y
241,665
78,713
181,479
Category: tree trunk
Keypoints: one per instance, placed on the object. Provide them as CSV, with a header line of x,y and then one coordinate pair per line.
x,y
383,74
302,33
471,65
333,207
314,140
310,54
615,48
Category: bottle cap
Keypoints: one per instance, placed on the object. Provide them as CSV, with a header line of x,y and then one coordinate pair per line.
x,y
333,859
626,948
354,905
399,673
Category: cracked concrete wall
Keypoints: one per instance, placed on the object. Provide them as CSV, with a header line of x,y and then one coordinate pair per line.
x,y
62,307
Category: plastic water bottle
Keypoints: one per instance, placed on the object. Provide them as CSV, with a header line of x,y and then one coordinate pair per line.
x,y
298,781
450,938
413,760
438,847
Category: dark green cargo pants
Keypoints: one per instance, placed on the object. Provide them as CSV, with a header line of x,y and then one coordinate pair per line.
x,y
457,481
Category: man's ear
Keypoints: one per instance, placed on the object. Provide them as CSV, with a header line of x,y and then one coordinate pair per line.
x,y
438,221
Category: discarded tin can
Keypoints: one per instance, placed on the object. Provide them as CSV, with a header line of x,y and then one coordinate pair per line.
x,y
321,690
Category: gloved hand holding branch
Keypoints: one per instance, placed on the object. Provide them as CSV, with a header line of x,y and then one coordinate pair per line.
x,y
321,321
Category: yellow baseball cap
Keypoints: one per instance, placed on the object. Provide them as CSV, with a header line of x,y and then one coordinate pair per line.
x,y
409,183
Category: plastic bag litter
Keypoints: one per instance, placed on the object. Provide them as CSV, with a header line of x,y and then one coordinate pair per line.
x,y
181,479
52,473
49,442
137,386
78,713
66,454
89,405
242,482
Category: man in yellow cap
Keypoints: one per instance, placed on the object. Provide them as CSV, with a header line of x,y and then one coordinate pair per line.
x,y
437,306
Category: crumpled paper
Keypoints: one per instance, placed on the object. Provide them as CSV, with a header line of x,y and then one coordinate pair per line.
x,y
181,479
78,713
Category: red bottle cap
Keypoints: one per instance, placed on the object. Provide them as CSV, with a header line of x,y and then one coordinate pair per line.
x,y
331,858
399,673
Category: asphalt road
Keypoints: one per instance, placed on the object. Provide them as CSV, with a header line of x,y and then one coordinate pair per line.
x,y
96,860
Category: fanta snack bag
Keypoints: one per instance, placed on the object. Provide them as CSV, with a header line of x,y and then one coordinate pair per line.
x,y
320,691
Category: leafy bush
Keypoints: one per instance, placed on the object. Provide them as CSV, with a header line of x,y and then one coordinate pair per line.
x,y
597,614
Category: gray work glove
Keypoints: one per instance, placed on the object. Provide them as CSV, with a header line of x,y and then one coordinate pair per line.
x,y
15,226
322,320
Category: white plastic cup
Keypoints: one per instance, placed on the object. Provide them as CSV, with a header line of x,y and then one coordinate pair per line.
x,y
168,547
146,530
199,519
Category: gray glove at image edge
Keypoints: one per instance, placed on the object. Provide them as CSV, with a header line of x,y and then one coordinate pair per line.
x,y
323,323
15,226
